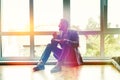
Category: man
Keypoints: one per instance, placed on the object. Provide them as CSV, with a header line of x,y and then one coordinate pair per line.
x,y
67,54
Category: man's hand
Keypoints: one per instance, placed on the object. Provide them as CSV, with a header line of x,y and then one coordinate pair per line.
x,y
54,34
65,41
55,40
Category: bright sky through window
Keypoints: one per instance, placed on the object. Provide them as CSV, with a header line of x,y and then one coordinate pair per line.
x,y
83,10
47,14
113,14
15,15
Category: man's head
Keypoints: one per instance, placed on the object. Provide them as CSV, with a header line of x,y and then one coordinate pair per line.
x,y
63,25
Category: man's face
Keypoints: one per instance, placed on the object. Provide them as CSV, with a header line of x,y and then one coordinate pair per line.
x,y
63,26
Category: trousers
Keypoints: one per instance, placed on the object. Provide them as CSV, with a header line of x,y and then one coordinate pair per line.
x,y
51,47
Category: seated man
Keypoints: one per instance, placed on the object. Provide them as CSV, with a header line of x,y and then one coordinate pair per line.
x,y
67,53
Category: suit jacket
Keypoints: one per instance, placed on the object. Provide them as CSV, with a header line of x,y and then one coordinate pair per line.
x,y
70,53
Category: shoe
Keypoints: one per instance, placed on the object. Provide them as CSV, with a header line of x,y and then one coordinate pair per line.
x,y
56,69
38,68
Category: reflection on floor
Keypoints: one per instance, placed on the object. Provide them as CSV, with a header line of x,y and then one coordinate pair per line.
x,y
84,72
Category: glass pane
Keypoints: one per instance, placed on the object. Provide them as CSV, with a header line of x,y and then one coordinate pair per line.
x,y
40,45
89,45
113,14
15,15
85,14
47,14
15,46
112,45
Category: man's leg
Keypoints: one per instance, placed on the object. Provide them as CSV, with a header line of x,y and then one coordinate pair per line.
x,y
44,58
60,57
57,54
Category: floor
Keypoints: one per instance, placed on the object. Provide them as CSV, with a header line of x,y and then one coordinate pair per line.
x,y
84,72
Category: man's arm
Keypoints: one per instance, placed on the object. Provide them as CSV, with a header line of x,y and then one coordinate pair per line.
x,y
74,38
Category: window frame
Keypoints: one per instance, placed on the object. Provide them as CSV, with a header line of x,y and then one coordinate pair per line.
x,y
66,14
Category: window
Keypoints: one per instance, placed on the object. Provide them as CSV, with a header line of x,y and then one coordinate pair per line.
x,y
85,15
26,26
15,46
40,44
89,45
112,45
47,14
113,14
15,15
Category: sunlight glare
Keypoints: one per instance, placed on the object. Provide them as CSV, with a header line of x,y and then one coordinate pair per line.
x,y
15,15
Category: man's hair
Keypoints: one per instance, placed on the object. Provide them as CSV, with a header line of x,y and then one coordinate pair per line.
x,y
65,22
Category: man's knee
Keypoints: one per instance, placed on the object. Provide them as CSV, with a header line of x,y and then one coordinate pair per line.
x,y
49,45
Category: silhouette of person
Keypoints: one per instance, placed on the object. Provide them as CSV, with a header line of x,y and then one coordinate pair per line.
x,y
67,54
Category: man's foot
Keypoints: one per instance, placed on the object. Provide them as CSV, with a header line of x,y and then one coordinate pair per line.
x,y
56,69
38,68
